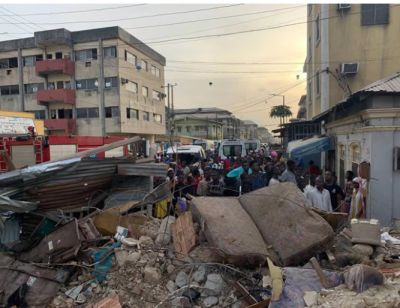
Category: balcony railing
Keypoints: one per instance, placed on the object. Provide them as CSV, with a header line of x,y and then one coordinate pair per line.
x,y
66,96
67,126
57,66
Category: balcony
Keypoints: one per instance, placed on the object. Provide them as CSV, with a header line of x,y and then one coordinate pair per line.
x,y
66,126
57,66
66,96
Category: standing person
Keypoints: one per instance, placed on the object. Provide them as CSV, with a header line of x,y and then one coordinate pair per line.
x,y
334,189
216,185
348,190
310,187
258,178
196,179
320,197
312,169
275,175
288,175
202,188
357,207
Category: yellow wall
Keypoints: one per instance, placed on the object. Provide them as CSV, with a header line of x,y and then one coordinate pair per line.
x,y
374,47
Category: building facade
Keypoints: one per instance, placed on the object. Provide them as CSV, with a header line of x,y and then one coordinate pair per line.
x,y
366,129
94,82
348,47
230,124
248,129
198,128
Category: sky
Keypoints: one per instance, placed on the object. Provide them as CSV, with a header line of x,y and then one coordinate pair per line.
x,y
245,69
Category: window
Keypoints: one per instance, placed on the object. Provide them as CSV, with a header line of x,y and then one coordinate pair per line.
x,y
188,129
33,87
145,91
110,82
317,83
86,54
131,86
86,113
130,57
179,129
374,14
132,113
112,112
157,95
40,114
49,56
31,60
9,63
88,64
9,90
157,118
67,84
110,52
155,71
59,55
146,116
64,113
60,84
144,65
317,34
86,84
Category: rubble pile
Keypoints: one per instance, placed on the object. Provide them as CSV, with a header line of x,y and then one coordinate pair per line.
x,y
266,248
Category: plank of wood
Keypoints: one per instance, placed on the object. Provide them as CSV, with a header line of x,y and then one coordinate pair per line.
x,y
183,234
324,281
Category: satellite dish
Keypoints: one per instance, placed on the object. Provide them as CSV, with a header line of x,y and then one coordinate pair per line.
x,y
210,83
138,67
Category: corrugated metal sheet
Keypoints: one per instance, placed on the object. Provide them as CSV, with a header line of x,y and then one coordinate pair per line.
x,y
388,85
151,169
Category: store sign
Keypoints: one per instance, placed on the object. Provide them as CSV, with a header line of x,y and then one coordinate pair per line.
x,y
15,125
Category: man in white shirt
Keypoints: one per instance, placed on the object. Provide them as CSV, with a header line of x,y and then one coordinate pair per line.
x,y
320,197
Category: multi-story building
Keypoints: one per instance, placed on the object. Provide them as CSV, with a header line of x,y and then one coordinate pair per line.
x,y
248,129
230,124
92,82
198,128
349,47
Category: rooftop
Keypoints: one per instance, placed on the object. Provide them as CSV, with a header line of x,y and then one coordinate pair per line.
x,y
201,110
249,122
63,36
389,84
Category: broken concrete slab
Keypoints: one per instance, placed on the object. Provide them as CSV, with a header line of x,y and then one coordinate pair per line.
x,y
230,230
295,232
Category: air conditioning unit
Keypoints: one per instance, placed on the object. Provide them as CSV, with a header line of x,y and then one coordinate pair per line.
x,y
344,6
349,68
124,80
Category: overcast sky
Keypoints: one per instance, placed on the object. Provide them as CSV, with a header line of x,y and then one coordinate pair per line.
x,y
244,91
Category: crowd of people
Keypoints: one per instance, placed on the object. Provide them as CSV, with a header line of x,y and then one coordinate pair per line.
x,y
239,175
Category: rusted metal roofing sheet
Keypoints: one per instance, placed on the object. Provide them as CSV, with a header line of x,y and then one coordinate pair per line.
x,y
150,169
389,85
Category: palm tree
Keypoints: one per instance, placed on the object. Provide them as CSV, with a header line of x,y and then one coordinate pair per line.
x,y
280,111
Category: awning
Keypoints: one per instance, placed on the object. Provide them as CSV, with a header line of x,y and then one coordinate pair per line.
x,y
299,148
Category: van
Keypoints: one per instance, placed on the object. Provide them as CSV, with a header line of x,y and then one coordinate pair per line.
x,y
252,145
207,145
188,153
231,148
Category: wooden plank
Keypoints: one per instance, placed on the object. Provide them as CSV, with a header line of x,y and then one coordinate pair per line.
x,y
324,281
183,234
246,295
262,304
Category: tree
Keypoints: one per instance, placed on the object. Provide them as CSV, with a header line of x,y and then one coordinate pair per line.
x,y
280,111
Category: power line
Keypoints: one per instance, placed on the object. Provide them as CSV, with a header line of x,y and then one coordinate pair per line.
x,y
137,17
80,11
214,18
22,18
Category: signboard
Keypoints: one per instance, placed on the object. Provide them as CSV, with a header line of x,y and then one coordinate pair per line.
x,y
15,125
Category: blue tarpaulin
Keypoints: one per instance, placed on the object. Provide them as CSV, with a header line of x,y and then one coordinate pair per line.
x,y
300,148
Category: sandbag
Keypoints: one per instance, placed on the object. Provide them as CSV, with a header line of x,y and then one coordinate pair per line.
x,y
295,232
230,230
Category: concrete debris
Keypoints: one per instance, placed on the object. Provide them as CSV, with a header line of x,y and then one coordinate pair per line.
x,y
365,250
164,232
310,298
151,274
361,277
214,284
200,274
181,279
210,301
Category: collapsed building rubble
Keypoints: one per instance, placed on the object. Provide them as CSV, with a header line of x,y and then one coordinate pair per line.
x,y
81,232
